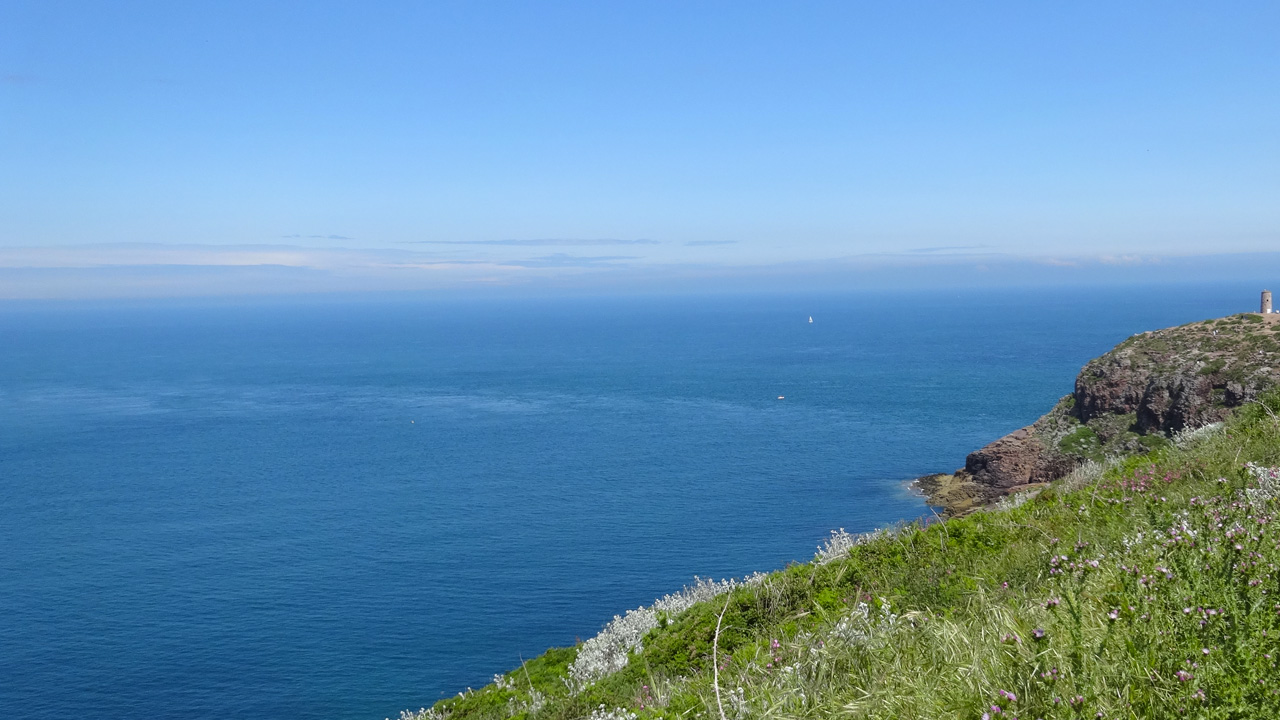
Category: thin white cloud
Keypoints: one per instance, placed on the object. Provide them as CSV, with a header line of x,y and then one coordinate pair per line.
x,y
567,260
1125,259
153,270
946,249
161,270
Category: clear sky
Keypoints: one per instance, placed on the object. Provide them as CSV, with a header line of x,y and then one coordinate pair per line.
x,y
433,144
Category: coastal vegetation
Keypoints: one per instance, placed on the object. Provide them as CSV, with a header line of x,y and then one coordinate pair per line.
x,y
1145,585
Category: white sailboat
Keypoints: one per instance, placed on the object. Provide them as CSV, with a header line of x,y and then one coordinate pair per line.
x,y
810,319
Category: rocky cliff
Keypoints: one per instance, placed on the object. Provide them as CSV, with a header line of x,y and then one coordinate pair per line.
x,y
1130,399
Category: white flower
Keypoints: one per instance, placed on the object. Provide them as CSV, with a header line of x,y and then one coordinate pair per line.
x,y
840,543
603,713
609,651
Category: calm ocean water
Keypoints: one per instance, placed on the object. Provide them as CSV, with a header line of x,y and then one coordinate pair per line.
x,y
323,510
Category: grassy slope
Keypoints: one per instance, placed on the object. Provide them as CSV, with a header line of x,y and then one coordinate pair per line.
x,y
1079,603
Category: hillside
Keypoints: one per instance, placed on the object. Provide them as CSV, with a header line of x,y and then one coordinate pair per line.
x,y
1144,586
1126,401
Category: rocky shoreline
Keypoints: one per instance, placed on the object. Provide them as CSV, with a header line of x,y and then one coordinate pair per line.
x,y
1129,400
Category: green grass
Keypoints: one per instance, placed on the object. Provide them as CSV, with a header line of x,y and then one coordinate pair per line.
x,y
1213,366
1149,591
1082,441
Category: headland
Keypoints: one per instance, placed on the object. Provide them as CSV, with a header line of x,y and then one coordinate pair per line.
x,y
1132,399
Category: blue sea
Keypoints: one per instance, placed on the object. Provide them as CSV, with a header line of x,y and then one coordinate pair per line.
x,y
343,508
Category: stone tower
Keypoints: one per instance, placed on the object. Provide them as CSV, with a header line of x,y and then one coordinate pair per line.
x,y
1266,302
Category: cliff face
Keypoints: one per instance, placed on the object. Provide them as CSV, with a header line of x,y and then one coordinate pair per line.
x,y
1130,399
1185,376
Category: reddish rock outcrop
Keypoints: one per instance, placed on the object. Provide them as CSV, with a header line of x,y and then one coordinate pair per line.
x,y
1019,458
1127,400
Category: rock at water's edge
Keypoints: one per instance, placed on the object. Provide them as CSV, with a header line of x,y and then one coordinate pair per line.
x,y
1125,401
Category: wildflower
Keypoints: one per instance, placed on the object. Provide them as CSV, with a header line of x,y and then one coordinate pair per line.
x,y
1183,675
1038,634
609,651
1114,614
1007,695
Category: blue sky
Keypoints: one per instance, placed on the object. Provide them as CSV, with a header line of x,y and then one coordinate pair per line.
x,y
430,145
